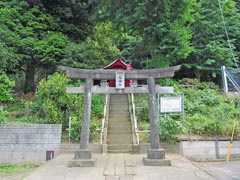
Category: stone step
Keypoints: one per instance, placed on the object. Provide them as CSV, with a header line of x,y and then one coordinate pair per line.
x,y
119,120
119,96
120,136
119,141
120,105
118,111
121,125
114,128
120,147
123,136
119,151
123,133
118,102
120,131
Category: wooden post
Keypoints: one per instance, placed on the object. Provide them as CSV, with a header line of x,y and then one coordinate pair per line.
x,y
84,140
153,114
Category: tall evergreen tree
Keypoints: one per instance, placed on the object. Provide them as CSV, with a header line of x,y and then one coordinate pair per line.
x,y
211,49
163,25
35,33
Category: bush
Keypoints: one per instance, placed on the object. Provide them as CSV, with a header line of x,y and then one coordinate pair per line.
x,y
169,129
54,105
208,112
3,115
5,87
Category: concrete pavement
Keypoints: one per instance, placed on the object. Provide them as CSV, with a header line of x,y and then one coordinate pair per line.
x,y
130,167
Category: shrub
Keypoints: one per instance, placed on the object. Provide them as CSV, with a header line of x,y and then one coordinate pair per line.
x,y
207,112
5,87
54,105
3,115
169,129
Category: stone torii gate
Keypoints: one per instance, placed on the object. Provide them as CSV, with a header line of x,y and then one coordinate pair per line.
x,y
155,155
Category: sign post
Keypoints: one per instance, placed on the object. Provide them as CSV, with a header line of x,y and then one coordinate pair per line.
x,y
173,105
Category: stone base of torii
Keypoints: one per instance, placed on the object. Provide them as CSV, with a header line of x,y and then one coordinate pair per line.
x,y
155,155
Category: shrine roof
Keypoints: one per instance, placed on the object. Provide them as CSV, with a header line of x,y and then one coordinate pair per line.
x,y
117,64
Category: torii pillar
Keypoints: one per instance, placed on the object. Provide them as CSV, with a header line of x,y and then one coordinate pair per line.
x,y
155,155
83,156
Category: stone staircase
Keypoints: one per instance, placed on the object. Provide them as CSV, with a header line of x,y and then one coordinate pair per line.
x,y
119,136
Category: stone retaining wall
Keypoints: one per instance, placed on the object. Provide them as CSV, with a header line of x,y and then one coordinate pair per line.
x,y
204,150
29,142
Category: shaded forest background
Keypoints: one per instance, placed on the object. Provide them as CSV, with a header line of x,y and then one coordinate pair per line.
x,y
38,35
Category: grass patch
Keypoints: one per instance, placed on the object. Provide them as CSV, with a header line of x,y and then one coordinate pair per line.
x,y
11,169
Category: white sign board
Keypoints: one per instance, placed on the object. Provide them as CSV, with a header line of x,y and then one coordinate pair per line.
x,y
120,80
171,104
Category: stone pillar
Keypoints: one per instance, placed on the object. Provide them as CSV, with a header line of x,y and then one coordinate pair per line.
x,y
86,116
153,114
83,157
155,155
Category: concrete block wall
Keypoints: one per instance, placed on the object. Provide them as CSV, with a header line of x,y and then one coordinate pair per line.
x,y
223,149
208,150
28,142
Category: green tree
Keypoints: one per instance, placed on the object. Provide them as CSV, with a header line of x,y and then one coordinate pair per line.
x,y
96,51
30,36
73,17
163,25
211,49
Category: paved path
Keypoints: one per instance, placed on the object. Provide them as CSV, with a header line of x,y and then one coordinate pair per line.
x,y
130,167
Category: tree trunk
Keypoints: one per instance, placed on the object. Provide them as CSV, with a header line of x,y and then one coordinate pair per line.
x,y
197,74
30,79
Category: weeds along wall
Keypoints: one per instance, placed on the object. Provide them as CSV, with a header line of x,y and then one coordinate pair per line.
x,y
29,143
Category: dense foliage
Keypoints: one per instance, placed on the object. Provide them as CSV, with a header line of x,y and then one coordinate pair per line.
x,y
207,112
38,35
163,26
211,46
54,105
